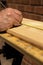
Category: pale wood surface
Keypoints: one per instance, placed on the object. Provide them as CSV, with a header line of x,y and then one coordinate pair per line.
x,y
33,23
26,48
31,31
29,34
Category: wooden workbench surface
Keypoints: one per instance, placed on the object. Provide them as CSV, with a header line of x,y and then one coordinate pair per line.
x,y
24,47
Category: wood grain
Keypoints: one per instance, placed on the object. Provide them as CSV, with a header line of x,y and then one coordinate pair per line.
x,y
33,23
30,51
28,33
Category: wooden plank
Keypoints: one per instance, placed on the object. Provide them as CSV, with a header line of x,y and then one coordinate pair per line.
x,y
25,48
32,35
29,34
33,23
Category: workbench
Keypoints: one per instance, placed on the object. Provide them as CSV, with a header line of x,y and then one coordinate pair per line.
x,y
28,50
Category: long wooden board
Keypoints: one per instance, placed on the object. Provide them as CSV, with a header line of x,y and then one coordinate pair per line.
x,y
33,23
29,34
30,51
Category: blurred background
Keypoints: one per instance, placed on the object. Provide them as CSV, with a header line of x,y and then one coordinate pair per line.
x,y
32,9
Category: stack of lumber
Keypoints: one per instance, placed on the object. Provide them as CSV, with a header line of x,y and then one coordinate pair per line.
x,y
30,31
